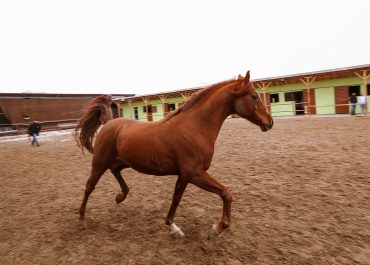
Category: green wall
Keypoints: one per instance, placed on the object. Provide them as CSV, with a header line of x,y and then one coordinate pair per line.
x,y
324,95
325,100
128,111
283,109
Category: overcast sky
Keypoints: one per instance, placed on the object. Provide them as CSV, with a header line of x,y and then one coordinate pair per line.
x,y
146,46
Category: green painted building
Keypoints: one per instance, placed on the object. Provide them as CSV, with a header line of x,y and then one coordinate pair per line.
x,y
322,93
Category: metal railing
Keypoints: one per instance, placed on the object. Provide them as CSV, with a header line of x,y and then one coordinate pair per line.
x,y
52,125
304,111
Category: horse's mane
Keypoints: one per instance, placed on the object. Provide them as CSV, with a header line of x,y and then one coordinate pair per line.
x,y
198,96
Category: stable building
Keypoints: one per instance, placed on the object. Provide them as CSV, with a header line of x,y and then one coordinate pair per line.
x,y
18,110
322,93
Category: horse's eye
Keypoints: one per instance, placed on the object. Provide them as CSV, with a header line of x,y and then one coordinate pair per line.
x,y
255,97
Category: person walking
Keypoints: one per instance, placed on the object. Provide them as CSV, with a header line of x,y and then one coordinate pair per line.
x,y
353,101
34,130
361,100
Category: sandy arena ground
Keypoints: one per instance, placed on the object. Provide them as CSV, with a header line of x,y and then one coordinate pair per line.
x,y
301,196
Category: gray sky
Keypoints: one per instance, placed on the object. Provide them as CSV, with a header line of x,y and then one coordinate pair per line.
x,y
146,46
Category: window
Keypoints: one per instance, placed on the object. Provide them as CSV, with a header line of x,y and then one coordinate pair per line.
x,y
296,96
274,98
368,90
289,96
354,89
121,112
171,106
151,109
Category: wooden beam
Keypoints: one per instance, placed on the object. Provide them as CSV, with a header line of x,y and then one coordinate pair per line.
x,y
263,86
185,95
364,78
308,82
364,75
145,99
162,98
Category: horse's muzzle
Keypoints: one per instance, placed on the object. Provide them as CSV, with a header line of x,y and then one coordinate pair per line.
x,y
266,127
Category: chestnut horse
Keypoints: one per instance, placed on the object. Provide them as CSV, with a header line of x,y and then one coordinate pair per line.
x,y
180,144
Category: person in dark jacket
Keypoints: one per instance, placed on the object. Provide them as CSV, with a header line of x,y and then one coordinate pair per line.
x,y
34,130
353,101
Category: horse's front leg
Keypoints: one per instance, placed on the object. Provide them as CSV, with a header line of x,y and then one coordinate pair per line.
x,y
206,182
177,195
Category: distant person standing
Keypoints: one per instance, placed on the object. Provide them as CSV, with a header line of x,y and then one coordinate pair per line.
x,y
353,101
361,100
34,130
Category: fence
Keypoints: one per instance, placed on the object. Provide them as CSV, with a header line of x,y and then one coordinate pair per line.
x,y
301,108
21,128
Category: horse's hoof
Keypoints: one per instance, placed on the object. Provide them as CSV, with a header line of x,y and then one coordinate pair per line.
x,y
82,217
176,231
120,198
213,233
178,234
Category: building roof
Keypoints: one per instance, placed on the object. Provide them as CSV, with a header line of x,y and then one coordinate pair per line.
x,y
319,75
273,81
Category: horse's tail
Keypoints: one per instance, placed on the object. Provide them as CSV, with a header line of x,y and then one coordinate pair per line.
x,y
96,113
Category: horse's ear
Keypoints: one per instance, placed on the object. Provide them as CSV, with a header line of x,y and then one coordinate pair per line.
x,y
240,90
247,76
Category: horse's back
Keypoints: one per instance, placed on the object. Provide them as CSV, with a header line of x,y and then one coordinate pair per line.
x,y
106,137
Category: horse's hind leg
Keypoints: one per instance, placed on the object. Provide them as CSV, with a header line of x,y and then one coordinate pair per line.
x,y
95,175
116,171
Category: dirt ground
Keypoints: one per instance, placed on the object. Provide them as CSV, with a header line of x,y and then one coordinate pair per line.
x,y
301,196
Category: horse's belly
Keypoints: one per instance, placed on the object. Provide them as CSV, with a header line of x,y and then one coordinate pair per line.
x,y
147,152
153,165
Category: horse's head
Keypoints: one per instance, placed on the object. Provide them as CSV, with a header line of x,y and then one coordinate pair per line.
x,y
248,104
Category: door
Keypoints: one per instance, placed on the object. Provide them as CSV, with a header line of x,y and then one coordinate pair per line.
x,y
149,113
341,100
136,113
299,105
165,109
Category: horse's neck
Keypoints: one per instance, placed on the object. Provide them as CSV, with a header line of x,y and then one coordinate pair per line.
x,y
210,115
